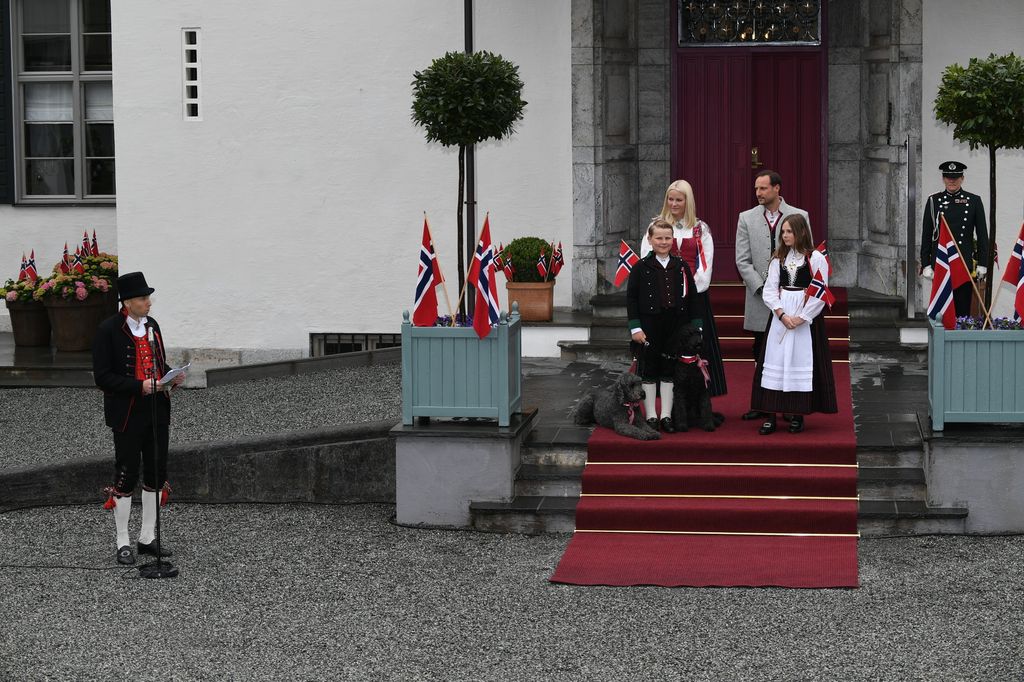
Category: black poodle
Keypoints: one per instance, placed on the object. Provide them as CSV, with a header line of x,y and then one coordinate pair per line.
x,y
618,409
691,404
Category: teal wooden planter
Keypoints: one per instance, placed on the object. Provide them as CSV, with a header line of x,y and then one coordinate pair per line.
x,y
449,372
975,375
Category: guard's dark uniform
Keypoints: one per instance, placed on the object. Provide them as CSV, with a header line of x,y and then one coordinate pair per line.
x,y
965,216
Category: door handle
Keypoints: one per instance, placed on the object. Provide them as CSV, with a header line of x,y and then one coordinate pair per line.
x,y
755,161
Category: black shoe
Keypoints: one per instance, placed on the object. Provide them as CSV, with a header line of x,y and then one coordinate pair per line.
x,y
796,424
767,427
150,549
666,425
752,415
718,418
125,555
653,423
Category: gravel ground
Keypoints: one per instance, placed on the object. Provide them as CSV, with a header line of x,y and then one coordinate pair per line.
x,y
73,417
317,592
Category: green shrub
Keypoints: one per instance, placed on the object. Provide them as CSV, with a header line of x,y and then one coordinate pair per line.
x,y
524,253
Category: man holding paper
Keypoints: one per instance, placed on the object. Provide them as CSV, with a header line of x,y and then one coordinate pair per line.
x,y
129,360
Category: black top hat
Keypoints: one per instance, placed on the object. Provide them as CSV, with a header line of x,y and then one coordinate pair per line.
x,y
952,169
133,285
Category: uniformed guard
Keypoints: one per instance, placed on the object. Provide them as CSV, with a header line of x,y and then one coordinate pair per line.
x,y
965,216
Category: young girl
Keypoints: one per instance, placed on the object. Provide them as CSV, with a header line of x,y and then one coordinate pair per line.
x,y
658,298
794,369
680,211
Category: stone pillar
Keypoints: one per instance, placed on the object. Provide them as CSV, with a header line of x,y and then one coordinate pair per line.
x,y
874,104
620,130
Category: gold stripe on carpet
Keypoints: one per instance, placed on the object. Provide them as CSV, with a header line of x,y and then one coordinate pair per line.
x,y
725,497
711,532
729,464
834,361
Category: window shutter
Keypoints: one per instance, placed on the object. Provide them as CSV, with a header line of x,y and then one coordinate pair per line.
x,y
6,127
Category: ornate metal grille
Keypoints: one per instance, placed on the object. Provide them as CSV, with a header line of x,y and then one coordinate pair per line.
x,y
738,22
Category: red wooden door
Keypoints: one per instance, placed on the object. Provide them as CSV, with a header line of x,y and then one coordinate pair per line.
x,y
726,103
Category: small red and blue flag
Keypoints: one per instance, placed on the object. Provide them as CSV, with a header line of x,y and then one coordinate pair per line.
x,y
627,259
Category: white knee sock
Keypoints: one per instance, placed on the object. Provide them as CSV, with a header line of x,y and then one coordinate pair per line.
x,y
122,511
666,399
650,393
148,532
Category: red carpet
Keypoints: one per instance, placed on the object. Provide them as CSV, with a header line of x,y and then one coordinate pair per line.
x,y
729,507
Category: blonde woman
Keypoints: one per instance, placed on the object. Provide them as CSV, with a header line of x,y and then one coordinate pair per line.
x,y
680,211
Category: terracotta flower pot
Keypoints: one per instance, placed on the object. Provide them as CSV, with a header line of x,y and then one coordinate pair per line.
x,y
74,322
535,299
30,323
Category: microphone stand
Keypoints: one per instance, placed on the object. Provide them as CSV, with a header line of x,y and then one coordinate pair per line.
x,y
158,568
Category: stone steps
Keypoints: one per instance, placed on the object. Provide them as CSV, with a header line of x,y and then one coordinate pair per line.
x,y
893,496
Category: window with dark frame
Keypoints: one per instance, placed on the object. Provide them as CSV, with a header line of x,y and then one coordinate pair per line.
x,y
63,95
334,344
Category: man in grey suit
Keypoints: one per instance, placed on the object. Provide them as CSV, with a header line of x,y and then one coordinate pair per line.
x,y
756,239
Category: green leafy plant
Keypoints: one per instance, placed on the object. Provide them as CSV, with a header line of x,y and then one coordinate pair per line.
x,y
99,277
463,99
19,291
984,102
524,253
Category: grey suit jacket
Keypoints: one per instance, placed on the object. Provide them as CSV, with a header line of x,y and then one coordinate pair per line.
x,y
753,252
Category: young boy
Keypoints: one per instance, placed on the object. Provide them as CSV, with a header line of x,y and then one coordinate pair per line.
x,y
657,302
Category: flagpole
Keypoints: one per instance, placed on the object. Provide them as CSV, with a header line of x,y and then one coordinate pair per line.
x,y
974,286
477,242
444,281
995,299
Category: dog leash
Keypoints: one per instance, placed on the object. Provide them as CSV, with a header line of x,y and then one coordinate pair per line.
x,y
700,362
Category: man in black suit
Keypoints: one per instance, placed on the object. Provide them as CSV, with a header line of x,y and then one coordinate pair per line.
x,y
965,216
128,360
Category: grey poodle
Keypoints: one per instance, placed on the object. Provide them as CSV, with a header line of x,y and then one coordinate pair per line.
x,y
618,409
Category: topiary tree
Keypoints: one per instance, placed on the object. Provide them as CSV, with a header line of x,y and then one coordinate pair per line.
x,y
984,103
524,252
462,99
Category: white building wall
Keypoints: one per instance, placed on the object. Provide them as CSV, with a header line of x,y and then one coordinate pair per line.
x,y
45,229
954,32
295,204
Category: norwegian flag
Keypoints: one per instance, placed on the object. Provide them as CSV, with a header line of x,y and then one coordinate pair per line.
x,y
1018,300
627,259
542,265
1010,274
30,266
95,249
950,272
65,262
557,260
77,265
484,278
823,249
501,261
428,276
86,246
22,275
818,289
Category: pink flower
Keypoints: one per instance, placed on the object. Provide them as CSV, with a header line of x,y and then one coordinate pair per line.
x,y
79,285
12,296
81,294
102,285
47,285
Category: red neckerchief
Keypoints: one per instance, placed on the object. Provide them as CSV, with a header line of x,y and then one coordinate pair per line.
x,y
770,224
700,362
631,410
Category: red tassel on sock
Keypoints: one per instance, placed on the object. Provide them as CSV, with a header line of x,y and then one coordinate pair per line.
x,y
111,502
165,495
